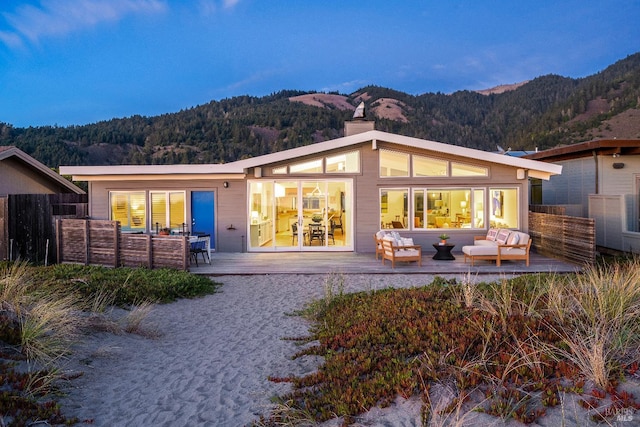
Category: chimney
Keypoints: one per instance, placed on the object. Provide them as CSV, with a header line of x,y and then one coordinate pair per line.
x,y
359,124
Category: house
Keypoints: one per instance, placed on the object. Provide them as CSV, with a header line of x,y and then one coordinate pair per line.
x,y
30,195
600,180
22,174
328,196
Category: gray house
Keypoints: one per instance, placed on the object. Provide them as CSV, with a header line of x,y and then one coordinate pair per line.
x,y
31,197
329,196
601,180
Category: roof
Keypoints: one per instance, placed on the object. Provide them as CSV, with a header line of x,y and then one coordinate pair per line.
x,y
7,152
601,147
536,169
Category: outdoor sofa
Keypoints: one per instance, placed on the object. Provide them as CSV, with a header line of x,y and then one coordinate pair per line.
x,y
499,245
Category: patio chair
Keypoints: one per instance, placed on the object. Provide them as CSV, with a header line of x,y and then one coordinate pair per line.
x,y
199,247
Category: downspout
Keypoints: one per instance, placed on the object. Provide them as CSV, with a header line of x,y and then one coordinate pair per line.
x,y
595,159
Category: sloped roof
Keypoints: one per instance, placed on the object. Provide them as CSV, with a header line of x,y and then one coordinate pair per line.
x,y
536,169
7,152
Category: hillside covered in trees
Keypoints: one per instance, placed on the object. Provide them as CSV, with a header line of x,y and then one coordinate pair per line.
x,y
545,112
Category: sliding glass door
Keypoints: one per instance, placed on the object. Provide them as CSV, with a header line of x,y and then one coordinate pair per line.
x,y
310,215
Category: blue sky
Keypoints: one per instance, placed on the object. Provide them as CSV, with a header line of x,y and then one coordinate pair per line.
x,y
72,62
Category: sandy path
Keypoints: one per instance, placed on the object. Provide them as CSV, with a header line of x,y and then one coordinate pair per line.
x,y
211,364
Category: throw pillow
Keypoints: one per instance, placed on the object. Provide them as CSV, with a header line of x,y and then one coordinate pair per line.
x,y
492,233
502,236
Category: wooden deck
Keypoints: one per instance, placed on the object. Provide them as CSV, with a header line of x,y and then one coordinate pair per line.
x,y
352,263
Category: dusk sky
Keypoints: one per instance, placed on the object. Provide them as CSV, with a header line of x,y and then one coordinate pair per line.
x,y
73,62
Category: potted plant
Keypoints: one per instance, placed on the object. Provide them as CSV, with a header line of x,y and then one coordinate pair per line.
x,y
164,231
443,238
316,217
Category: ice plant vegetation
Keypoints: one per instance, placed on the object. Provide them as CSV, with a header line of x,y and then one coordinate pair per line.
x,y
510,349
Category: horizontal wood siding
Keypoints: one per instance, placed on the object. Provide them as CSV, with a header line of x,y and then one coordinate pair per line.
x,y
101,242
170,252
135,250
564,237
72,241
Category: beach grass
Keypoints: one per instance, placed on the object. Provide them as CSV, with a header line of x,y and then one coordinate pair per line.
x,y
510,349
42,310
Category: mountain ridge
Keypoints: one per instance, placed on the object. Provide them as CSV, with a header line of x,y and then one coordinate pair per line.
x,y
541,113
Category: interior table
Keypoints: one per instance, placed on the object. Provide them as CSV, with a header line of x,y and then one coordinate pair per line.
x,y
443,252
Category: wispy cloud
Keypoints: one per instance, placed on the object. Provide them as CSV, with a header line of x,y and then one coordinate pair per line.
x,y
59,17
210,7
347,86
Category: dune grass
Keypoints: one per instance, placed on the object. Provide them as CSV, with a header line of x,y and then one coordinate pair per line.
x,y
42,311
510,349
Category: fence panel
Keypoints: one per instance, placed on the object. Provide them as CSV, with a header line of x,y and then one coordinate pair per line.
x,y
102,242
135,250
566,237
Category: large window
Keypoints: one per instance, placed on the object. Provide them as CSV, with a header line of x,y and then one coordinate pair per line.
x,y
440,208
129,208
427,166
168,210
348,162
504,209
393,163
394,208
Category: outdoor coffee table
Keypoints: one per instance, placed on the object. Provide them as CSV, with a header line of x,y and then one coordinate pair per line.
x,y
443,252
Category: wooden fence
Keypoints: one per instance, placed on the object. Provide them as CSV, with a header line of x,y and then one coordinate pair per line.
x,y
27,224
100,242
566,237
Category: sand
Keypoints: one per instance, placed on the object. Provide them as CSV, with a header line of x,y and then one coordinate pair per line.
x,y
210,362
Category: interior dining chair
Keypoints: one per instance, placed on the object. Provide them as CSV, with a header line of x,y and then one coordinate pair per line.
x,y
337,223
294,232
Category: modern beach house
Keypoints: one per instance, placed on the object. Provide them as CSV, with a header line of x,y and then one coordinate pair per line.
x,y
329,196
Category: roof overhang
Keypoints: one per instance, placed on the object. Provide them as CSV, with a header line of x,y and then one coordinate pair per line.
x,y
535,169
240,168
601,147
8,152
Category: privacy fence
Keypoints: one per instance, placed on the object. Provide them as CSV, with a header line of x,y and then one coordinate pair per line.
x,y
100,242
27,224
566,237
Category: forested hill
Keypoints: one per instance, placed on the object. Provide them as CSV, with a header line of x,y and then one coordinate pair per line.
x,y
545,112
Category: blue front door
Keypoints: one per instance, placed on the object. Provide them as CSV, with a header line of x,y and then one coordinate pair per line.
x,y
203,214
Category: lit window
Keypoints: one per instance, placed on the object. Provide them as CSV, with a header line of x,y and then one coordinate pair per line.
x,y
280,171
393,163
344,163
130,209
168,209
504,210
312,166
393,208
425,166
460,169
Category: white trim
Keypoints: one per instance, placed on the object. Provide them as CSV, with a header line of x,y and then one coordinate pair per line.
x,y
537,169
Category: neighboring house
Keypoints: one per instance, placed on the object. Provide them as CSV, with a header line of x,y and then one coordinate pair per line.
x,y
352,185
22,174
601,180
31,195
